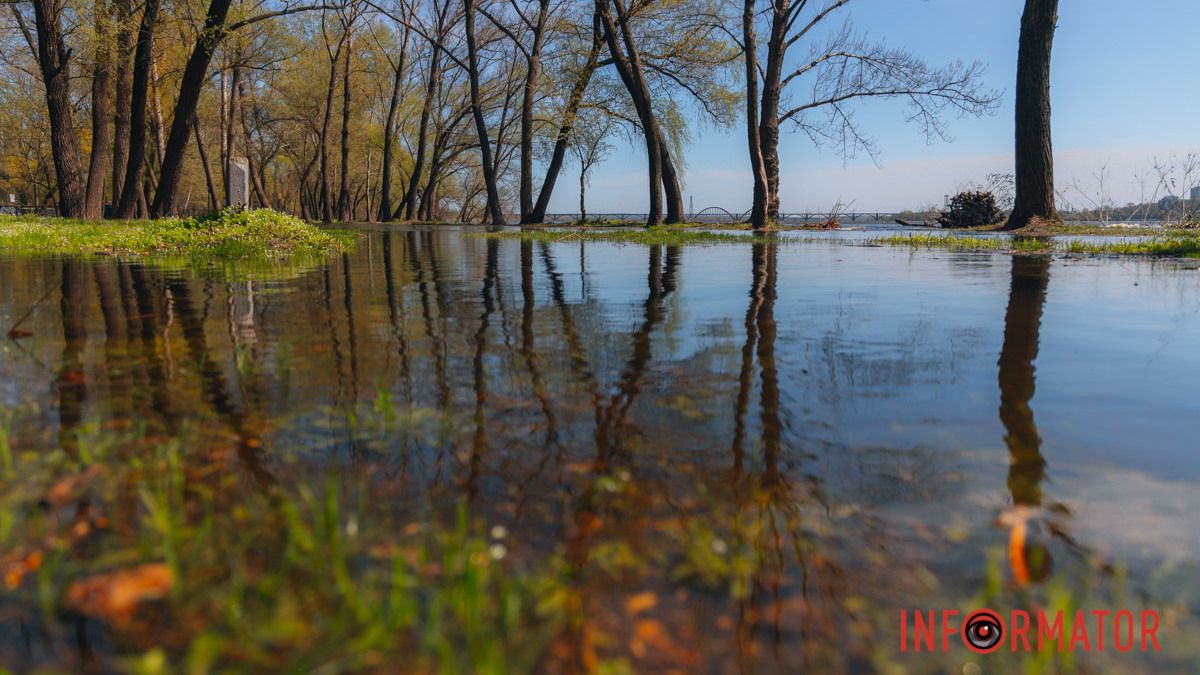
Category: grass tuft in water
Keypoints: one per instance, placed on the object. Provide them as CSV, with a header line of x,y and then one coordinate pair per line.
x,y
226,235
1173,245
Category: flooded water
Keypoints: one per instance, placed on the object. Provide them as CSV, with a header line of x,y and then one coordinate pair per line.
x,y
737,458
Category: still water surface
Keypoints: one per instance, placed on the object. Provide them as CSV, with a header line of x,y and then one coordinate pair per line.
x,y
796,440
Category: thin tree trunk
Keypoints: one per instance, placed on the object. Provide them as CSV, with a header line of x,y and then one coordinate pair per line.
x,y
344,187
672,189
122,95
389,131
256,176
326,120
214,201
185,106
768,126
630,72
565,129
528,94
101,85
1034,177
156,107
495,210
229,133
582,191
758,212
54,62
132,187
431,87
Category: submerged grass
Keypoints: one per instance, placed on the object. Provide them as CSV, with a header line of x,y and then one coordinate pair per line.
x,y
668,235
227,235
1173,245
189,568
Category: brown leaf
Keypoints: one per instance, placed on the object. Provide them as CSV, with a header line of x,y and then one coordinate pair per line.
x,y
114,596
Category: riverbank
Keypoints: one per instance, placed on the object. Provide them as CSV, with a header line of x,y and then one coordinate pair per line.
x,y
1163,246
259,235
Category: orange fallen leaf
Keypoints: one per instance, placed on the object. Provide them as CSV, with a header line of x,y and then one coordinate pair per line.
x,y
115,596
641,602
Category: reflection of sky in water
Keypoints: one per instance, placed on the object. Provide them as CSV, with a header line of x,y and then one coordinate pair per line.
x,y
887,364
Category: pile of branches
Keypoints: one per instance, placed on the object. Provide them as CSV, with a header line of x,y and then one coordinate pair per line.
x,y
971,209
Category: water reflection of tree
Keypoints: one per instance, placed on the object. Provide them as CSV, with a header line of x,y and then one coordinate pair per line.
x,y
72,383
1017,376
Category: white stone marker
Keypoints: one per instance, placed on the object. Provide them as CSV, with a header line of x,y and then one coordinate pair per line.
x,y
239,183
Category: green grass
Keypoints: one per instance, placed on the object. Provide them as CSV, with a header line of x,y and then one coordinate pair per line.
x,y
259,235
301,575
1177,245
652,236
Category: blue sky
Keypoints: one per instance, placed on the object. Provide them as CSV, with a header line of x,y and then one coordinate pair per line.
x,y
1123,89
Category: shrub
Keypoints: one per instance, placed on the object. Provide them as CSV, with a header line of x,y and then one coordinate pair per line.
x,y
971,209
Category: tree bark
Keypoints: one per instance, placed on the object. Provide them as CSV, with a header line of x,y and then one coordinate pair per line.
x,y
758,211
528,94
565,129
414,181
768,123
1034,177
344,183
121,98
185,106
630,71
101,84
672,188
495,210
228,132
132,185
214,201
54,62
389,131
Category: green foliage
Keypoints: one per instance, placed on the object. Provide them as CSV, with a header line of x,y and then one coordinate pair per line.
x,y
1170,245
225,235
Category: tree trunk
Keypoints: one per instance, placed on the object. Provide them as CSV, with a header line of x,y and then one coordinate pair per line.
x,y
101,84
326,120
582,191
214,201
121,98
344,183
1034,177
758,211
672,189
54,62
565,129
1022,322
495,210
414,181
768,124
132,186
228,133
189,95
630,71
528,94
389,131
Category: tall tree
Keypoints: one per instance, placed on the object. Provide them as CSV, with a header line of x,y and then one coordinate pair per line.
x,y
54,61
128,203
843,69
122,95
189,95
101,85
389,126
1034,176
494,207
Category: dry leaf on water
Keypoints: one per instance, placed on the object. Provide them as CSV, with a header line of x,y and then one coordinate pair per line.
x,y
114,596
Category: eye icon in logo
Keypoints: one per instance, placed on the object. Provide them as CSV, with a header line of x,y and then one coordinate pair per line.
x,y
983,631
